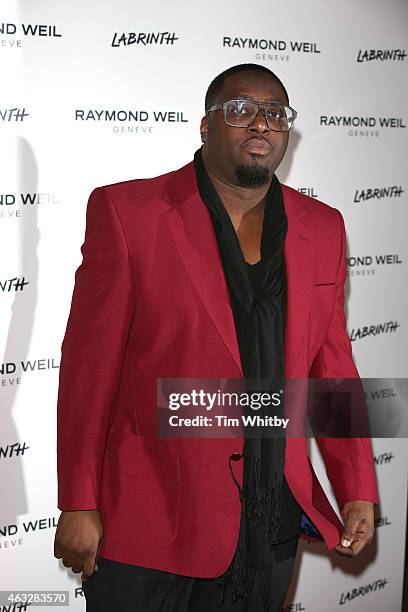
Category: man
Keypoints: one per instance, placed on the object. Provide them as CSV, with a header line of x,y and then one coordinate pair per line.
x,y
197,273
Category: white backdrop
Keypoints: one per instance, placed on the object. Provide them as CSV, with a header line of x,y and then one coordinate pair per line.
x,y
70,85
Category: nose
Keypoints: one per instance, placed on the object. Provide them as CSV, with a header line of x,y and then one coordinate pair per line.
x,y
259,125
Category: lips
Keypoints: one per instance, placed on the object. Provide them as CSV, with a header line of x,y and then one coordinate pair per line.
x,y
256,145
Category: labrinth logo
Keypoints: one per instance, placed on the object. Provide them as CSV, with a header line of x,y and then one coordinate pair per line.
x,y
374,330
353,121
143,38
13,450
278,50
382,55
11,32
13,284
384,458
9,115
378,193
362,591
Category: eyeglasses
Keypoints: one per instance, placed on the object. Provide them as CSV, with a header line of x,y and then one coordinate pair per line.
x,y
241,113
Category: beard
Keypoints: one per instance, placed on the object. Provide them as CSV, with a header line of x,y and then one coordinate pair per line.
x,y
252,175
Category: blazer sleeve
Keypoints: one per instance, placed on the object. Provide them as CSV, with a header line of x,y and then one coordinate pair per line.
x,y
349,462
92,354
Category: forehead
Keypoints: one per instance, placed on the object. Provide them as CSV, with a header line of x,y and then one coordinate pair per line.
x,y
252,84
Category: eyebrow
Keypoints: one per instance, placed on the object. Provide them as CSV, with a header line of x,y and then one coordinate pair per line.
x,y
252,99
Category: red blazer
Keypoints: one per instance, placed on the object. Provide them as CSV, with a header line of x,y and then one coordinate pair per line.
x,y
151,301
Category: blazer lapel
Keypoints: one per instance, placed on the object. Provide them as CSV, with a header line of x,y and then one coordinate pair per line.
x,y
191,228
299,265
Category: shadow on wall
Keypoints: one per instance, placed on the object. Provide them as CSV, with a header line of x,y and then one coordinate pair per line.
x,y
18,339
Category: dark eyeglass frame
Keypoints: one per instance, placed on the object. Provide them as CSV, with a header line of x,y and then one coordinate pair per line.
x,y
260,106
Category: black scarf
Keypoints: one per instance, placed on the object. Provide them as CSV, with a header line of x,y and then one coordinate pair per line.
x,y
258,302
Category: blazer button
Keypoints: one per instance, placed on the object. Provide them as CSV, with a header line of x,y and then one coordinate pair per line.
x,y
235,456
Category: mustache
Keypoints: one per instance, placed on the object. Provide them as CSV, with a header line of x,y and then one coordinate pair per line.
x,y
258,139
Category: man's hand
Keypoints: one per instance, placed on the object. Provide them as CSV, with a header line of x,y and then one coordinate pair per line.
x,y
358,527
77,540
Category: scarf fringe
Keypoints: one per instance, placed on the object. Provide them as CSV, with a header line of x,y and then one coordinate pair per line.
x,y
262,497
262,503
241,579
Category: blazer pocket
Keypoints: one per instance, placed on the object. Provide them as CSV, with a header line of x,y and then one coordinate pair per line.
x,y
324,283
141,491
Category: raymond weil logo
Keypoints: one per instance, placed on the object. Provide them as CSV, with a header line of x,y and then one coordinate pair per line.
x,y
12,204
78,592
380,394
11,371
12,534
366,265
267,49
365,127
29,365
143,39
13,34
355,121
369,127
309,191
130,121
382,521
33,525
381,55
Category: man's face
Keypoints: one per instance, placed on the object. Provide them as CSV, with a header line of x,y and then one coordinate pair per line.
x,y
233,153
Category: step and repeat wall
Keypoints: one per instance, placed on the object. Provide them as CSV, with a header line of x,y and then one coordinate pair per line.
x,y
100,91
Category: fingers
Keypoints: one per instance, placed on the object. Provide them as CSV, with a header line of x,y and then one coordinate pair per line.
x,y
57,551
348,536
346,552
354,518
360,538
77,540
74,561
84,562
89,566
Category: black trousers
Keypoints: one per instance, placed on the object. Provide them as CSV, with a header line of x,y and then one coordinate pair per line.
x,y
121,587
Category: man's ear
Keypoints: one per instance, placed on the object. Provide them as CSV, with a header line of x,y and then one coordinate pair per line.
x,y
204,128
